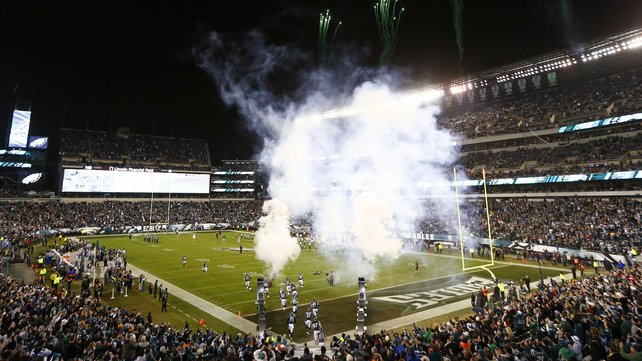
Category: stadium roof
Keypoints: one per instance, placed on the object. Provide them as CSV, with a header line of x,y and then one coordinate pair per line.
x,y
605,46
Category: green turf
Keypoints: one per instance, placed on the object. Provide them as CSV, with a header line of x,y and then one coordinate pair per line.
x,y
224,285
178,311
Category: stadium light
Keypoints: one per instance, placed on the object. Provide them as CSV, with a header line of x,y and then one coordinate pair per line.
x,y
407,99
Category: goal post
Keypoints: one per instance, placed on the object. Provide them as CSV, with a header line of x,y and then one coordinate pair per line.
x,y
461,233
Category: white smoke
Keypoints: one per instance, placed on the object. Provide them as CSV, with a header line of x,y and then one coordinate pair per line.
x,y
363,176
273,244
372,226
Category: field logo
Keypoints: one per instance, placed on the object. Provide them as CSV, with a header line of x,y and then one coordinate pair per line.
x,y
419,300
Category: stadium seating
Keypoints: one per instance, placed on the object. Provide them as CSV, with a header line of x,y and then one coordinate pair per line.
x,y
615,148
611,224
25,218
84,147
605,153
575,103
564,320
549,325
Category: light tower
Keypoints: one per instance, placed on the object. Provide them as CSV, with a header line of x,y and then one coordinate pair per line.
x,y
361,307
260,305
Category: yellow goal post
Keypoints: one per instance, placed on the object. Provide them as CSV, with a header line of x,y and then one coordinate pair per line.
x,y
461,233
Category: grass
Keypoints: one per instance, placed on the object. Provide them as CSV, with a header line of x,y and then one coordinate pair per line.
x,y
178,311
224,285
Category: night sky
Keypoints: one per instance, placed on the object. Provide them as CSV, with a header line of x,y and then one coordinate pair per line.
x,y
131,64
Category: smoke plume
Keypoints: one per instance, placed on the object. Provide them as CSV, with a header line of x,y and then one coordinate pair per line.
x,y
362,176
274,229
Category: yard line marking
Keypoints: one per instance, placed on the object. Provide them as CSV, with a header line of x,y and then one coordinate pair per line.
x,y
216,311
385,288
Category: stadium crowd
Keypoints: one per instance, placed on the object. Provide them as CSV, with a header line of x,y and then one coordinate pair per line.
x,y
36,324
534,111
586,168
612,224
596,316
562,139
23,218
593,152
133,148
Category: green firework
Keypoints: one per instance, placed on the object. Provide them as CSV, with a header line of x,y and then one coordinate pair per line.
x,y
387,17
458,9
324,24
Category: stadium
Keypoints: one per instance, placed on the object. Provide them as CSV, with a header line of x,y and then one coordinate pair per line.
x,y
333,209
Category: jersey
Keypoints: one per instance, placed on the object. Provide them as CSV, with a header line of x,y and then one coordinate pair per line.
x,y
291,319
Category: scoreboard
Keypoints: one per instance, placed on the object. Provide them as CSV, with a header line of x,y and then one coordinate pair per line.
x,y
133,180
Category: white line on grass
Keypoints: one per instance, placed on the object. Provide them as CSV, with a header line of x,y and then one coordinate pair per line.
x,y
385,288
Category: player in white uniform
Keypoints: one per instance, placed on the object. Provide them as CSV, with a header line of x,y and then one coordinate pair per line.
x,y
315,307
204,267
288,286
193,237
283,299
247,282
308,320
300,280
321,338
184,260
291,321
316,328
295,304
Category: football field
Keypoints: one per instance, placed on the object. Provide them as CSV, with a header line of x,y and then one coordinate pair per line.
x,y
395,290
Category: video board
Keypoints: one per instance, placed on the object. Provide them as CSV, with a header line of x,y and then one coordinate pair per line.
x,y
133,180
19,128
